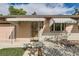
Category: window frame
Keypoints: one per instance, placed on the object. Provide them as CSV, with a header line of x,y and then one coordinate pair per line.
x,y
53,27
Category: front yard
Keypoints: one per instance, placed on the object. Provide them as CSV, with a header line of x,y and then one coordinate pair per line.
x,y
12,52
50,48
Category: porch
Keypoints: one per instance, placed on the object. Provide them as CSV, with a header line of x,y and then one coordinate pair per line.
x,y
25,29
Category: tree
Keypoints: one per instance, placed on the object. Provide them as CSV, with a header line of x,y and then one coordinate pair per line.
x,y
1,14
15,11
34,13
76,12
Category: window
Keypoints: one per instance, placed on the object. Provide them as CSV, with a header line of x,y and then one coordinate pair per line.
x,y
52,27
35,26
58,27
41,25
63,26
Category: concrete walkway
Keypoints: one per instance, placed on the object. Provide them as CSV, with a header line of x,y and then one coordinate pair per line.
x,y
9,44
26,53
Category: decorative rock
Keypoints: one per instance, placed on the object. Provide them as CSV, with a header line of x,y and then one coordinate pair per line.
x,y
52,49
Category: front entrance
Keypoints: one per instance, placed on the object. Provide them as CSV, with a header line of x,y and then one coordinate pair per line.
x,y
36,26
34,29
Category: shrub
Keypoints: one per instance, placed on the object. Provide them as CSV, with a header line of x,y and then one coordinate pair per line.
x,y
66,43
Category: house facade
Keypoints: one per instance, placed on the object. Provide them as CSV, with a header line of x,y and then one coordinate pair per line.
x,y
23,27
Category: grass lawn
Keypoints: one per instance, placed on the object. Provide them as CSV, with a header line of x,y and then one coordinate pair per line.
x,y
12,52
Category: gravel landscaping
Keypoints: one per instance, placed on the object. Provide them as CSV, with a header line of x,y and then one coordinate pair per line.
x,y
53,49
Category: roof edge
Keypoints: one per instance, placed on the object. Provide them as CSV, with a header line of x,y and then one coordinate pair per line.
x,y
40,16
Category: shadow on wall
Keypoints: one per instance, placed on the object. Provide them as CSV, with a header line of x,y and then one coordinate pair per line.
x,y
75,29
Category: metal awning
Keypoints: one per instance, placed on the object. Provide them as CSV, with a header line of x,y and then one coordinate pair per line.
x,y
62,20
25,19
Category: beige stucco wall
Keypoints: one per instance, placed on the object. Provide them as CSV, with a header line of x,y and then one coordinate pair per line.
x,y
5,31
72,28
73,31
47,28
23,30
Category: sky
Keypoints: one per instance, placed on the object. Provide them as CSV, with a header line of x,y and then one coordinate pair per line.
x,y
41,8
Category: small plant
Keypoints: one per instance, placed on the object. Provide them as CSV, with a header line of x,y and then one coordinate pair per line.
x,y
25,46
28,45
66,43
